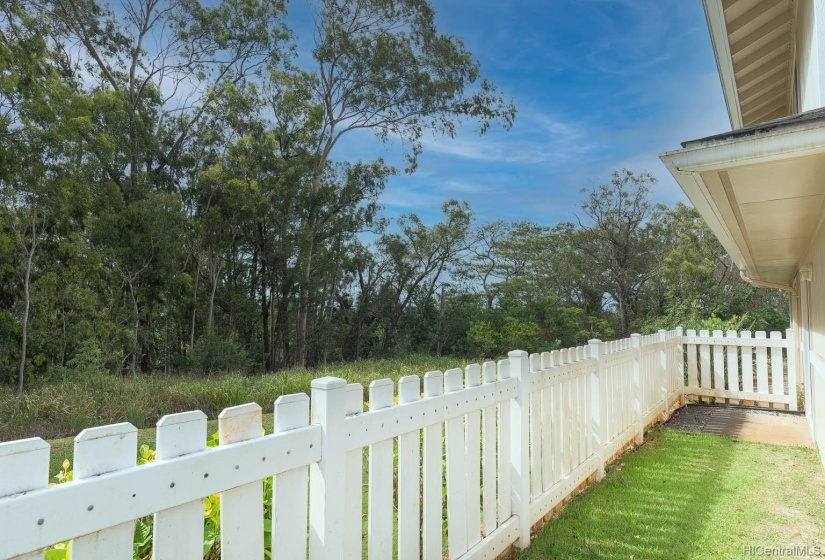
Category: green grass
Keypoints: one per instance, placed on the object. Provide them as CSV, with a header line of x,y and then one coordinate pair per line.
x,y
63,408
692,496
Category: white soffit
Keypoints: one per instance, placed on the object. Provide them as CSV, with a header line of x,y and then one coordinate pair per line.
x,y
760,189
753,41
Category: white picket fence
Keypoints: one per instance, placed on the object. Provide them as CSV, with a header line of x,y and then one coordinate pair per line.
x,y
738,368
511,440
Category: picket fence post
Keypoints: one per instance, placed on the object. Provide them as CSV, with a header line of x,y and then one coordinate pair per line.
x,y
519,442
597,427
663,374
327,504
638,394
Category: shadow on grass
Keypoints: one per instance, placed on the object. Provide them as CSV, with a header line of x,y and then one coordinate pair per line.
x,y
652,505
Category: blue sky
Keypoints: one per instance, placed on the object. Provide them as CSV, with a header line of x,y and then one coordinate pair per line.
x,y
599,85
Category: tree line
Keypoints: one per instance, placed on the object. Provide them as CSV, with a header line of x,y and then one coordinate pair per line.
x,y
171,201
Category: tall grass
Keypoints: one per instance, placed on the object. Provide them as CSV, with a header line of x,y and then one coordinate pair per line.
x,y
61,409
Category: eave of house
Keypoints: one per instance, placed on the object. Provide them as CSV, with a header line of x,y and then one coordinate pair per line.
x,y
760,190
754,45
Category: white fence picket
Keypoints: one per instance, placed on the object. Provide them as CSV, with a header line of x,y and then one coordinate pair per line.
x,y
732,352
761,368
546,426
472,438
535,431
290,501
488,457
718,365
704,362
747,364
380,507
353,481
99,451
693,372
456,474
504,446
24,465
409,477
242,508
178,532
777,368
433,474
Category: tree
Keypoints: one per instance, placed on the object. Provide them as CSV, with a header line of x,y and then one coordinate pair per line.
x,y
416,260
616,235
383,67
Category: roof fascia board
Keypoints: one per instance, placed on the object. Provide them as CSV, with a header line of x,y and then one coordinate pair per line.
x,y
715,15
723,154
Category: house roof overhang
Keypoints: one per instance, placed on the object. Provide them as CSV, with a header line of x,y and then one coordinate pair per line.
x,y
761,190
754,45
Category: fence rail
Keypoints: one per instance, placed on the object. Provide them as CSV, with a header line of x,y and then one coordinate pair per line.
x,y
485,452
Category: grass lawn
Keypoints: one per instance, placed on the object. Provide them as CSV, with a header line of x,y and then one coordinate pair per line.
x,y
693,496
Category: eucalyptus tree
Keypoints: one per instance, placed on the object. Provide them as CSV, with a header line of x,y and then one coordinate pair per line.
x,y
383,67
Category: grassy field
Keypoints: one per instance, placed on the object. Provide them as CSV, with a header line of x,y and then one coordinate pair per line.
x,y
693,496
62,409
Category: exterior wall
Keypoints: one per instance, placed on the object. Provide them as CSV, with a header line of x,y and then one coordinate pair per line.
x,y
808,54
812,302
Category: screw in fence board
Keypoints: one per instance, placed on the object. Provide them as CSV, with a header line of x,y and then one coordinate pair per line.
x,y
505,469
519,442
638,395
353,482
488,456
597,428
380,500
327,496
663,373
178,532
472,438
25,467
98,451
409,477
432,539
289,489
793,373
242,508
456,471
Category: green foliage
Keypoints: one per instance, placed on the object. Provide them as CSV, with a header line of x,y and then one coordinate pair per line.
x,y
212,354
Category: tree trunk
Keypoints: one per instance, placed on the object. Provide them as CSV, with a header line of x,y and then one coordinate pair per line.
x,y
21,373
265,320
440,343
194,306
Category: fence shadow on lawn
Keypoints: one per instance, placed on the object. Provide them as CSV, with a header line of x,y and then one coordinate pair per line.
x,y
654,504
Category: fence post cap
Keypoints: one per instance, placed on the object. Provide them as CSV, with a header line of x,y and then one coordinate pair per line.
x,y
328,383
517,354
